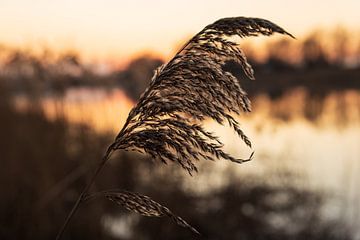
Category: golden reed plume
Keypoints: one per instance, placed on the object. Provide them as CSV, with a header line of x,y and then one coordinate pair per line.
x,y
167,121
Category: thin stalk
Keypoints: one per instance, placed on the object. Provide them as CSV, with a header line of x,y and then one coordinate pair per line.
x,y
101,164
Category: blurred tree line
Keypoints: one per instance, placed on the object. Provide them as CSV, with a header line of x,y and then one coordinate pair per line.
x,y
320,62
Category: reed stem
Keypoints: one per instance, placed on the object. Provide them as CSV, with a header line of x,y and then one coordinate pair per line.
x,y
100,166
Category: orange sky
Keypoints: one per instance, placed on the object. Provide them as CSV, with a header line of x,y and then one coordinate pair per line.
x,y
116,30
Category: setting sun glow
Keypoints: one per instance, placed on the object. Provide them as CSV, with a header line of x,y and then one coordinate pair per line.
x,y
115,31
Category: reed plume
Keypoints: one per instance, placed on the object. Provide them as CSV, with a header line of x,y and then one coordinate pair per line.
x,y
142,205
167,121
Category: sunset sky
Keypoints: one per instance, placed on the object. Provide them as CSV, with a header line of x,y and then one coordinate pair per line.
x,y
116,29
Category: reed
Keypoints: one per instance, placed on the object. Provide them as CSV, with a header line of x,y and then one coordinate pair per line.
x,y
167,122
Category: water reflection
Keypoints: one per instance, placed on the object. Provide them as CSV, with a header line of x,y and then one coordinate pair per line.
x,y
321,144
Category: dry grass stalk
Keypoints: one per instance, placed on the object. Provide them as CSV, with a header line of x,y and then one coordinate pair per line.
x,y
143,205
167,121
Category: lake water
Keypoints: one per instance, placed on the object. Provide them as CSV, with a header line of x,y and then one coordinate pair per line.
x,y
325,151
